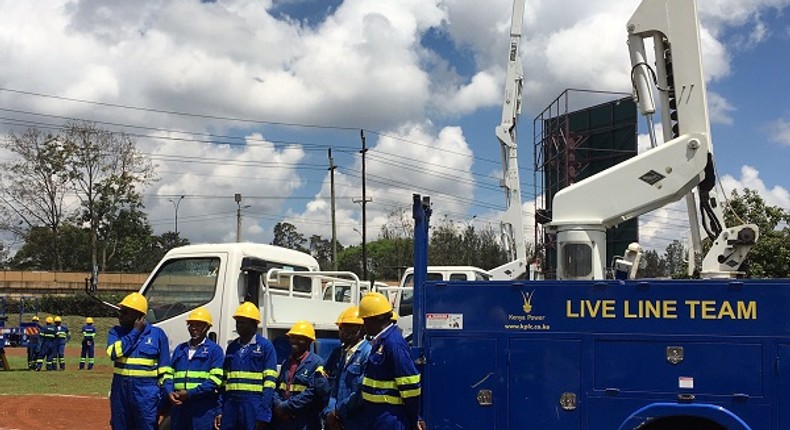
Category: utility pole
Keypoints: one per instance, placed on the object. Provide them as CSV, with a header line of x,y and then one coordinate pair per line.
x,y
364,202
237,198
176,203
332,168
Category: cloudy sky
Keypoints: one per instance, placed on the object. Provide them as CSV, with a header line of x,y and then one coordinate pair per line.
x,y
246,96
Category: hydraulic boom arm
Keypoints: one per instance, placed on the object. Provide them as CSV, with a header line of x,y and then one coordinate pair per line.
x,y
666,172
512,220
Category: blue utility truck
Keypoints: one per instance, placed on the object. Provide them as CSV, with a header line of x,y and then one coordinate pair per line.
x,y
601,354
588,352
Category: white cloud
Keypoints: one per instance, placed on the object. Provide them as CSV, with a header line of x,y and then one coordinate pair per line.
x,y
750,178
659,228
720,110
779,131
483,90
363,66
720,13
409,160
263,174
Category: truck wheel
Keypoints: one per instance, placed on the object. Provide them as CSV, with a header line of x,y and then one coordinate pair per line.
x,y
681,423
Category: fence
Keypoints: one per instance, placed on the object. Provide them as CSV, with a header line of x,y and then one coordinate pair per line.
x,y
15,283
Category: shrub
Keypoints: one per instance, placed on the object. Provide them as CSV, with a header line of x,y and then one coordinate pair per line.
x,y
75,304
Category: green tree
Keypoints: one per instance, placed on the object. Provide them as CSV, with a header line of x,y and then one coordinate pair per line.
x,y
770,256
287,236
106,171
350,259
675,259
452,245
389,257
156,248
34,186
399,225
37,254
321,250
125,240
446,244
489,253
655,266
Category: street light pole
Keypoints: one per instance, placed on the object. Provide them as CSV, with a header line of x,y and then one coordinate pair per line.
x,y
176,203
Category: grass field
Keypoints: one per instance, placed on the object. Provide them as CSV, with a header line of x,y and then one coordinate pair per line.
x,y
19,381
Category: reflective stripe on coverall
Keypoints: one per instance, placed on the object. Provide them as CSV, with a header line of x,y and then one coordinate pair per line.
x,y
250,374
62,336
33,345
391,386
88,345
200,376
306,395
141,378
346,394
48,347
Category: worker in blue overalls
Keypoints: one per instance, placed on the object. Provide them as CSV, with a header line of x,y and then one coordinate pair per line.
x,y
391,386
48,345
346,365
88,344
197,374
250,373
302,387
142,375
62,336
3,360
33,342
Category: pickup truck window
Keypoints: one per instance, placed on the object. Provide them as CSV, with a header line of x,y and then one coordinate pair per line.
x,y
301,284
180,286
407,296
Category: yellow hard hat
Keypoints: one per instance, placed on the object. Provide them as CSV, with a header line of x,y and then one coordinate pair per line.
x,y
248,310
302,328
394,317
200,314
35,318
135,301
57,319
49,320
89,320
349,316
374,304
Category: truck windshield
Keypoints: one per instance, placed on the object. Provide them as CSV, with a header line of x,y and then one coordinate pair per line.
x,y
180,286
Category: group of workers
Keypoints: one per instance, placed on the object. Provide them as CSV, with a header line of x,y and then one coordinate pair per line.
x,y
46,345
368,382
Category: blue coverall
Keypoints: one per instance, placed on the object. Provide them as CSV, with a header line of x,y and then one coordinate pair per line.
x,y
141,378
62,336
200,376
345,396
302,393
33,346
391,385
48,347
250,374
88,345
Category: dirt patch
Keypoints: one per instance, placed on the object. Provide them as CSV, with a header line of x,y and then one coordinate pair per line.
x,y
54,412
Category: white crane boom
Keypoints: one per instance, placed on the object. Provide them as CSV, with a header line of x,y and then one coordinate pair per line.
x,y
663,174
512,220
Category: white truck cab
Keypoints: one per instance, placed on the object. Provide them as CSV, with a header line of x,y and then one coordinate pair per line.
x,y
285,284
